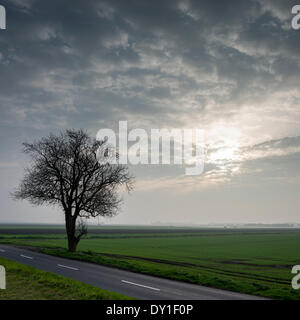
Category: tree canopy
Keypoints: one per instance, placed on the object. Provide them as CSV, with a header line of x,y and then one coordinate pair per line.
x,y
66,171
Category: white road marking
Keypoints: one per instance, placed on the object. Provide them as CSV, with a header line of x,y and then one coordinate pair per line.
x,y
140,285
61,265
1,250
27,257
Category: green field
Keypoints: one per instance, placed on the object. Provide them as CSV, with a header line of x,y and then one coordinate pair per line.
x,y
27,283
255,261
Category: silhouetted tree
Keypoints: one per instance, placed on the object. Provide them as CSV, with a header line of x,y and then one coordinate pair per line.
x,y
66,171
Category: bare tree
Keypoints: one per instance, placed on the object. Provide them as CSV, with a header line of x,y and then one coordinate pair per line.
x,y
66,171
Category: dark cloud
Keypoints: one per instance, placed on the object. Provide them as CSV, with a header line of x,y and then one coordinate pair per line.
x,y
53,49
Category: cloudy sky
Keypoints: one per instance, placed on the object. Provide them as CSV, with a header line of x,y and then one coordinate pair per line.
x,y
230,68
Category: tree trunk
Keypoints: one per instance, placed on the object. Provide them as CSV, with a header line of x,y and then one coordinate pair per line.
x,y
71,228
72,244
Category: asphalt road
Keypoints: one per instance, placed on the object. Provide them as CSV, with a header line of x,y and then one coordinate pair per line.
x,y
129,283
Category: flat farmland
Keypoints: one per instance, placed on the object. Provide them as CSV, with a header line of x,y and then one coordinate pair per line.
x,y
255,261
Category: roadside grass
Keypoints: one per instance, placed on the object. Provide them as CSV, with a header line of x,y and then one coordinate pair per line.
x,y
256,262
27,283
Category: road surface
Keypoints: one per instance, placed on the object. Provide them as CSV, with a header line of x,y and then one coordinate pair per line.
x,y
132,284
